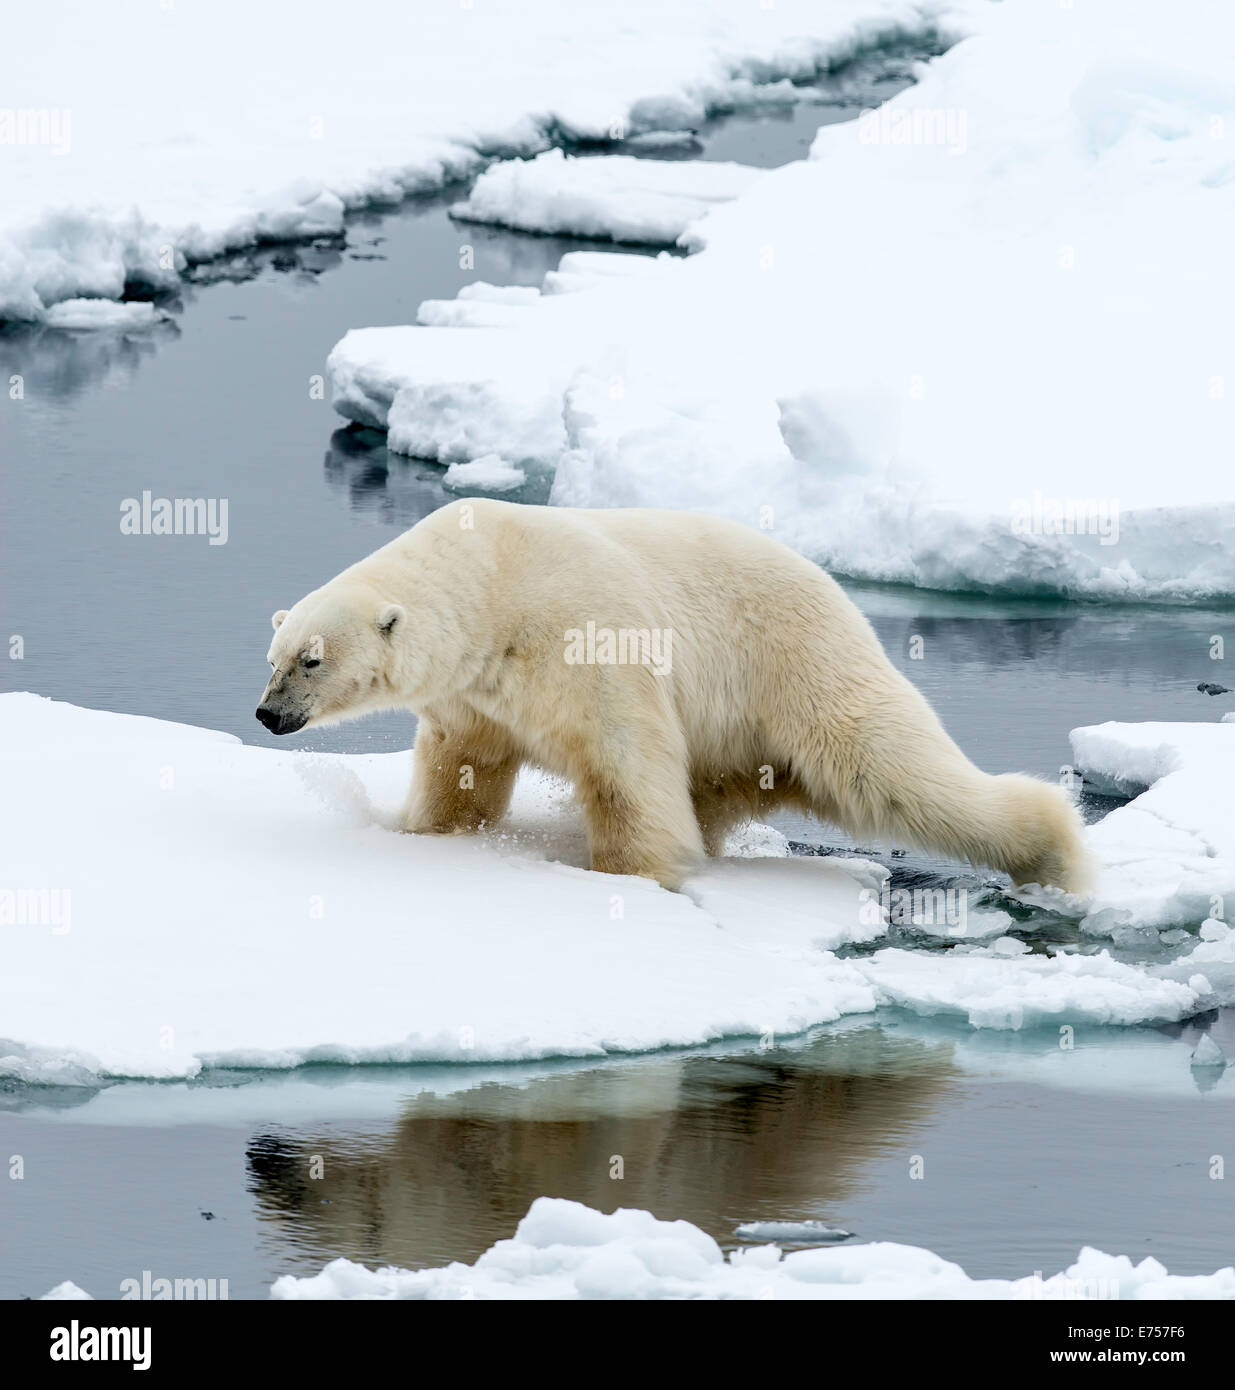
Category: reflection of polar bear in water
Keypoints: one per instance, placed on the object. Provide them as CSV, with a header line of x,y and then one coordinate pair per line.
x,y
707,1139
685,673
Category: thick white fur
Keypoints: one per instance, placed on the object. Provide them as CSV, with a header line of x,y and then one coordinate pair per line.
x,y
776,678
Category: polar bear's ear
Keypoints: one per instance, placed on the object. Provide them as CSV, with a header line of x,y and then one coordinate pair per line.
x,y
389,618
276,620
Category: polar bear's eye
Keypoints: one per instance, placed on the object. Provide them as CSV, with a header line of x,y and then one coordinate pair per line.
x,y
310,661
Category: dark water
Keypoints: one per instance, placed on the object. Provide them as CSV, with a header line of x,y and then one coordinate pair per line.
x,y
422,1167
1016,1176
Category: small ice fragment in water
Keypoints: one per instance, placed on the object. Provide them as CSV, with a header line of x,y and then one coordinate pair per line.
x,y
1136,938
791,1232
489,473
1008,946
1106,921
1213,930
978,924
663,140
104,314
1207,1053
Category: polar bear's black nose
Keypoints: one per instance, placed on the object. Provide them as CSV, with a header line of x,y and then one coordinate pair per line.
x,y
269,718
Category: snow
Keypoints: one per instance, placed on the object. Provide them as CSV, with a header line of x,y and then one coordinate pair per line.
x,y
997,990
66,1291
620,198
201,903
743,890
1166,858
453,396
976,340
564,1250
123,161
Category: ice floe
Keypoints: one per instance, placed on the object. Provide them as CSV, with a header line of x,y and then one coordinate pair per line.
x,y
620,198
173,900
993,989
915,356
489,473
169,162
104,314
1167,857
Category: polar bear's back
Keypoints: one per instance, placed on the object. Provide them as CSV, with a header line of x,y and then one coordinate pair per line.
x,y
675,569
664,556
754,624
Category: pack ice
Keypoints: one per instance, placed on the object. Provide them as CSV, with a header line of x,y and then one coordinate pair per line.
x,y
920,355
171,162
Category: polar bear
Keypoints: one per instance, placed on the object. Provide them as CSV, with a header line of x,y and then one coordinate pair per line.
x,y
686,673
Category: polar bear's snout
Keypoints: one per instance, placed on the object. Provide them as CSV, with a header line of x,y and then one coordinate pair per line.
x,y
283,709
277,721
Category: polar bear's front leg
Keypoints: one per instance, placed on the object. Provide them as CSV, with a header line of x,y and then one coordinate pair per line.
x,y
640,818
461,780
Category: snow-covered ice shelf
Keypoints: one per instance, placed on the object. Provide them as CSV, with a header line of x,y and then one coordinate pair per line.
x,y
1167,858
239,905
129,159
175,899
976,340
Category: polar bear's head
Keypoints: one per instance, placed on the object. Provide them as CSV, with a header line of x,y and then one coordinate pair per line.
x,y
334,656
